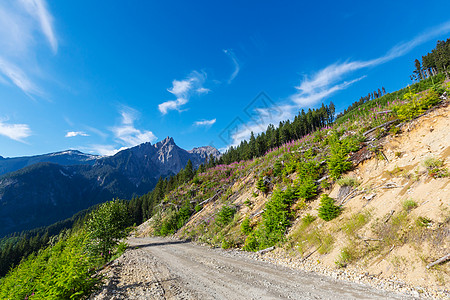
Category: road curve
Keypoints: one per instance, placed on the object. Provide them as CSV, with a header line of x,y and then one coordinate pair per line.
x,y
157,268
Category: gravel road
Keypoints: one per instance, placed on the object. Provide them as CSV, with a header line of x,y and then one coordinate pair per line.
x,y
157,268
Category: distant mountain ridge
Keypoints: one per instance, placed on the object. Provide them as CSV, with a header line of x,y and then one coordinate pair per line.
x,y
45,192
65,158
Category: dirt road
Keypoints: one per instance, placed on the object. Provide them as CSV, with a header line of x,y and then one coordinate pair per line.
x,y
157,268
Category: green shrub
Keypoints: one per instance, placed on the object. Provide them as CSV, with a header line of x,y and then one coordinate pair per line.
x,y
277,169
416,106
409,204
344,258
339,150
226,244
328,210
260,185
196,180
308,219
348,181
198,208
106,226
308,168
275,220
435,167
251,243
423,222
175,220
432,163
325,184
225,215
245,226
307,189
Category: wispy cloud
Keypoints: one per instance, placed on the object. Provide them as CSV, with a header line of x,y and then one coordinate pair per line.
x,y
38,9
309,99
235,63
22,24
17,132
183,91
18,78
329,80
126,134
98,132
75,133
266,118
206,123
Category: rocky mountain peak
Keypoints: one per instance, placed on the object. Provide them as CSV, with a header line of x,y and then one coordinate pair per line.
x,y
165,142
205,151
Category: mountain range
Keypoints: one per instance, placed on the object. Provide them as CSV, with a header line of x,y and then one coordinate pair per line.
x,y
40,190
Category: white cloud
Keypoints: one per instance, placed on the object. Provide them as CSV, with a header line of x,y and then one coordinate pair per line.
x,y
75,133
235,62
17,132
183,90
104,150
22,24
203,90
126,134
171,105
206,123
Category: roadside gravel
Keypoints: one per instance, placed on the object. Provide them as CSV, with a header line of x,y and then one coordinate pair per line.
x,y
157,268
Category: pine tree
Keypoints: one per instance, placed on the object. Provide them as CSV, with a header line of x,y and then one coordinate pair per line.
x,y
188,171
328,210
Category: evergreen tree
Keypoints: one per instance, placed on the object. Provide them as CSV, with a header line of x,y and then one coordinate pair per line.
x,y
188,171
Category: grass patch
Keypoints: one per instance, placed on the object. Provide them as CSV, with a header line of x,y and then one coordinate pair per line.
x,y
423,222
392,232
348,181
435,167
409,205
306,237
356,222
344,258
308,219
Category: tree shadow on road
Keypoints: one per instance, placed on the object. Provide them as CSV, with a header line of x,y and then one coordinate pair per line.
x,y
159,244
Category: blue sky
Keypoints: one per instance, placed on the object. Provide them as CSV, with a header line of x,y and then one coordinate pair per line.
x,y
100,76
